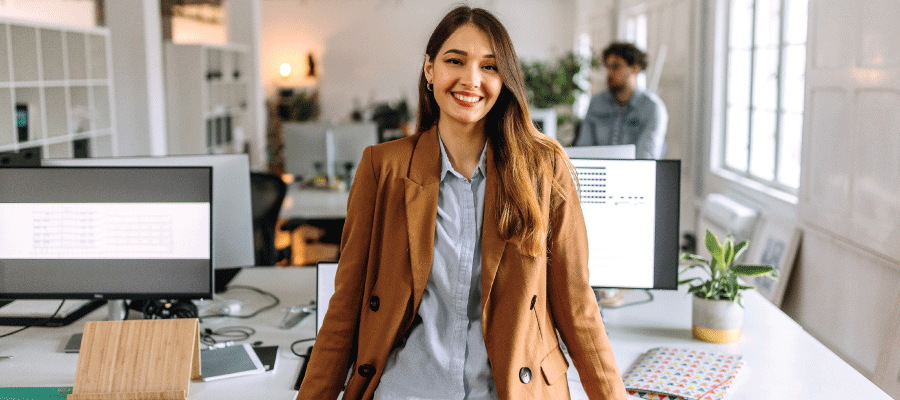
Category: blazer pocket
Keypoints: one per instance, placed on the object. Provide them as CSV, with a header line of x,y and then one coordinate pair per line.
x,y
554,366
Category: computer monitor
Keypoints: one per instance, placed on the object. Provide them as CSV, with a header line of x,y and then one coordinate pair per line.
x,y
631,209
326,272
232,216
305,144
620,151
106,233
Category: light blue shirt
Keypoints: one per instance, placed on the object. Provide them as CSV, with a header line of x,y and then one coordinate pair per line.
x,y
444,355
641,122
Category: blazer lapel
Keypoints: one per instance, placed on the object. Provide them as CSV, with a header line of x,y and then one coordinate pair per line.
x,y
422,187
492,245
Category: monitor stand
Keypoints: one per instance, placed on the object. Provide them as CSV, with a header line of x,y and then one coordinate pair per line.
x,y
615,298
609,297
56,321
116,310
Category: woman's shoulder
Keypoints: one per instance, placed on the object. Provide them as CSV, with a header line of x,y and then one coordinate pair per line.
x,y
395,153
396,147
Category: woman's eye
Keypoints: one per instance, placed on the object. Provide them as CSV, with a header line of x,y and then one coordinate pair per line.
x,y
490,67
453,61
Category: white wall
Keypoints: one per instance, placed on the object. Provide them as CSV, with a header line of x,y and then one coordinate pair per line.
x,y
372,50
849,276
846,284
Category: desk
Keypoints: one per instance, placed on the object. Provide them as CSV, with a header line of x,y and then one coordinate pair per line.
x,y
38,359
783,361
312,204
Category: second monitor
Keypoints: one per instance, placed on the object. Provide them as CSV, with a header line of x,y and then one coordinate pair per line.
x,y
232,215
631,209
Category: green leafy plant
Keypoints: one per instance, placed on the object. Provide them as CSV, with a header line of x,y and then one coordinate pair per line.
x,y
552,83
722,282
304,106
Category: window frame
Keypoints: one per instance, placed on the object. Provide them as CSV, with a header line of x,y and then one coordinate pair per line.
x,y
774,187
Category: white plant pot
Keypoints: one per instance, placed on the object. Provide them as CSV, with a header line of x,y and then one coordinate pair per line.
x,y
717,321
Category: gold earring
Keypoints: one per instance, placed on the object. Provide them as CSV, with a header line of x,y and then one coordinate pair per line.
x,y
429,86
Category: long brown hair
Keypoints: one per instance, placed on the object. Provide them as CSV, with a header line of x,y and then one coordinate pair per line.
x,y
520,151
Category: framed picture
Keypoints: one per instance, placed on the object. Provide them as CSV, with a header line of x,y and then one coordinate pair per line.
x,y
774,243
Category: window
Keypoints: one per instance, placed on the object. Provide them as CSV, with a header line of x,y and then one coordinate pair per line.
x,y
764,90
636,33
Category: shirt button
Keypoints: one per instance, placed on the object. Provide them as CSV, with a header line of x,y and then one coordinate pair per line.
x,y
366,371
525,375
374,303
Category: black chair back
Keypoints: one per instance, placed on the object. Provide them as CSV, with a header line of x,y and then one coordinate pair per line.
x,y
267,193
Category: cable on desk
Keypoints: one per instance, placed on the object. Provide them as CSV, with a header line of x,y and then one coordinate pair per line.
x,y
300,341
233,333
275,302
50,318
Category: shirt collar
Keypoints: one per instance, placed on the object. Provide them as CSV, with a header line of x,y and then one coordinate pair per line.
x,y
631,102
446,167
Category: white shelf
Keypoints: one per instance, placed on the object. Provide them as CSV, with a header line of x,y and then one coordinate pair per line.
x,y
60,75
206,94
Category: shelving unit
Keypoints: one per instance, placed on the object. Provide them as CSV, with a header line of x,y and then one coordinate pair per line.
x,y
206,98
56,90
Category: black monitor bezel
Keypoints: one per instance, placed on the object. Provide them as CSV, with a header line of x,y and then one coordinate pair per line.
x,y
198,295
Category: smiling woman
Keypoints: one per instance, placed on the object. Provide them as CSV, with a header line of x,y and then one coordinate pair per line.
x,y
496,259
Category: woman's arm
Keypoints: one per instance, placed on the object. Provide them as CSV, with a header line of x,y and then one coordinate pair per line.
x,y
335,346
572,302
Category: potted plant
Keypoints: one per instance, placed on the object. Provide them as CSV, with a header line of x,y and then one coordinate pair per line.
x,y
553,85
717,313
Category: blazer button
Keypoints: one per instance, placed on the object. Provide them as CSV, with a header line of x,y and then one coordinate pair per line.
x,y
374,303
525,374
366,370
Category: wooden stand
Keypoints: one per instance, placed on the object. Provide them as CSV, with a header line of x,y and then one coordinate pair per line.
x,y
137,359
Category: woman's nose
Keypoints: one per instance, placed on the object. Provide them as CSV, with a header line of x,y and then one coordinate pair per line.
x,y
471,77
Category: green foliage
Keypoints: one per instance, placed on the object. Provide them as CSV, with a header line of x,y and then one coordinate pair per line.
x,y
722,282
304,106
552,83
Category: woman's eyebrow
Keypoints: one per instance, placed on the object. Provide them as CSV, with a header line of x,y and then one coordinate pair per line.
x,y
463,53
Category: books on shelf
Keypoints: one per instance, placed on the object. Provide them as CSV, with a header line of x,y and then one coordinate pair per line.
x,y
666,373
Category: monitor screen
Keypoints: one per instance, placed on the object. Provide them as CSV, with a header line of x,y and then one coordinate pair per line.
x,y
105,233
325,275
631,210
619,151
232,216
306,143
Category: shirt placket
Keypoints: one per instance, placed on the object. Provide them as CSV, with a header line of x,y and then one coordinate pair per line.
x,y
465,200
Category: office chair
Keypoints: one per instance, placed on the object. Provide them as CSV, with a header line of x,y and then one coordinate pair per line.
x,y
267,193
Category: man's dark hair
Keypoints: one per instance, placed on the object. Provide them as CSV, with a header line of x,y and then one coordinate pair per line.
x,y
629,52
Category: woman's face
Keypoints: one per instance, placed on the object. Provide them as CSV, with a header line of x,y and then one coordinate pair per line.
x,y
465,76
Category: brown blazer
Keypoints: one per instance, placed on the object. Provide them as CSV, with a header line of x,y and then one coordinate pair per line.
x,y
386,256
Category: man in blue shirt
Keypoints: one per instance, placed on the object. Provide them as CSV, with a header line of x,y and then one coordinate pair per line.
x,y
625,114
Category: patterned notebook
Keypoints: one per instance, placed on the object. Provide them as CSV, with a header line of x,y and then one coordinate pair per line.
x,y
666,373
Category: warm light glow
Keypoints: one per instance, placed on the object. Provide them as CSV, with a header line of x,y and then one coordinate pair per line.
x,y
285,69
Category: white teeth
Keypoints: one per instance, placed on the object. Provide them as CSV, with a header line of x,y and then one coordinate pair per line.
x,y
467,99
